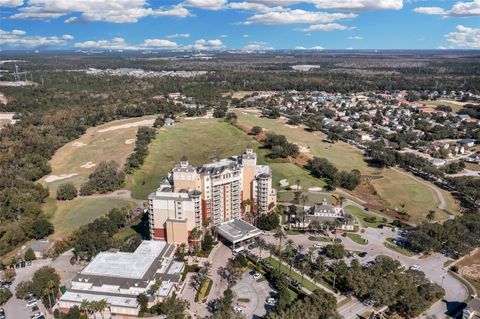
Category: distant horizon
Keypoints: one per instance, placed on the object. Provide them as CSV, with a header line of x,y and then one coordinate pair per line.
x,y
253,25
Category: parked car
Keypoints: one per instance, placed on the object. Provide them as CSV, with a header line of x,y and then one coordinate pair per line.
x,y
256,276
31,303
6,284
36,315
415,267
252,246
363,254
317,245
368,302
238,310
3,315
271,301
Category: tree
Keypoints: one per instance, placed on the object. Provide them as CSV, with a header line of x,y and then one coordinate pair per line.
x,y
159,122
66,191
142,300
431,215
207,243
41,228
267,221
29,255
172,307
279,235
335,251
256,130
5,294
107,177
231,117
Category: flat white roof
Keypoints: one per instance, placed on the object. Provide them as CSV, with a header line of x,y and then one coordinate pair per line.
x,y
125,265
176,268
74,296
237,230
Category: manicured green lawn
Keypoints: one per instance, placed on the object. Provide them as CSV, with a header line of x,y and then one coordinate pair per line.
x,y
321,239
284,269
361,215
68,216
357,238
390,245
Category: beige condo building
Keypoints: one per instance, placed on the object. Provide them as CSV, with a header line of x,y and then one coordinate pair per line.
x,y
191,196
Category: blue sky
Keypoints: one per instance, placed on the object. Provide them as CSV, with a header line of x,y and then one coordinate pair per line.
x,y
237,24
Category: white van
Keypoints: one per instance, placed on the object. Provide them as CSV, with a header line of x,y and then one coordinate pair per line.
x,y
238,249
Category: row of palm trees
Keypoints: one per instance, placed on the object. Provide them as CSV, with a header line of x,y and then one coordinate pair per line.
x,y
92,307
316,268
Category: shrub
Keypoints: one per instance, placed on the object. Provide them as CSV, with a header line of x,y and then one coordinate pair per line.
x,y
5,294
204,290
66,192
256,130
30,255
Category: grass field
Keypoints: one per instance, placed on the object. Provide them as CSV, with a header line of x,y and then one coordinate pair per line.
x,y
357,238
203,140
90,149
313,197
393,188
361,215
455,105
68,216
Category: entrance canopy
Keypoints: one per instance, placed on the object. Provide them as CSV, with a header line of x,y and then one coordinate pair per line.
x,y
237,230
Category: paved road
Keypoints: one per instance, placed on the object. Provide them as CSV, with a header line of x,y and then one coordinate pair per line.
x,y
256,292
352,309
432,266
465,172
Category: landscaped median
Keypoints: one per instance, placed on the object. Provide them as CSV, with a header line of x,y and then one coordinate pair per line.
x,y
203,292
390,245
294,275
357,238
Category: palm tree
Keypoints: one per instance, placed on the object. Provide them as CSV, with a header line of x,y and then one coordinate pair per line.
x,y
289,243
300,248
431,215
303,265
85,306
101,305
261,244
280,235
46,292
304,199
94,307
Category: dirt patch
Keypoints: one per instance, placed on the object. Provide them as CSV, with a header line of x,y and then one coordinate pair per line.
x,y
54,178
304,149
128,125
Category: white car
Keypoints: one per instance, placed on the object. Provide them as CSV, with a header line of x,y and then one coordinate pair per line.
x,y
256,276
415,267
271,301
31,303
238,310
318,245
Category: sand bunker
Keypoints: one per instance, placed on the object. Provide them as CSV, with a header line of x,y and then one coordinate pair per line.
x,y
283,183
130,141
304,149
128,125
291,126
78,144
88,165
54,178
315,189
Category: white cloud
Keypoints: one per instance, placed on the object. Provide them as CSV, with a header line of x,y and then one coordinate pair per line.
x,y
158,43
253,6
356,37
11,3
348,5
114,11
358,5
178,11
430,10
257,46
289,16
202,44
206,4
317,47
223,36
178,35
324,27
459,9
120,44
464,37
244,35
19,39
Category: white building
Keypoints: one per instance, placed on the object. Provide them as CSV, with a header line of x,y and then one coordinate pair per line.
x,y
119,277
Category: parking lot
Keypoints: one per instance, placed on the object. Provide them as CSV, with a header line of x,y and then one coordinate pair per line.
x,y
256,292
